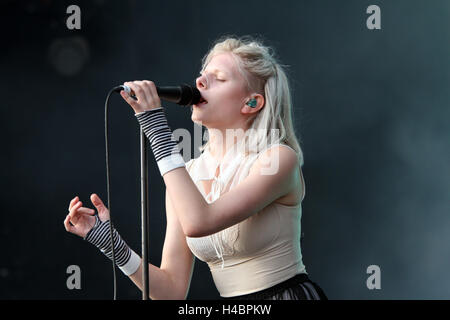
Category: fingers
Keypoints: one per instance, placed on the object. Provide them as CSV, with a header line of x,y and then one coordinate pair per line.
x,y
138,91
145,90
73,213
103,212
76,211
151,89
129,99
97,202
153,92
84,210
67,225
146,94
72,202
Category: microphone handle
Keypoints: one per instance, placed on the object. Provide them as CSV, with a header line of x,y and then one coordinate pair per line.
x,y
172,94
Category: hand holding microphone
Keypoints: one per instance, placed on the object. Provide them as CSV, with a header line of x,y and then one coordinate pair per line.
x,y
148,95
151,117
144,97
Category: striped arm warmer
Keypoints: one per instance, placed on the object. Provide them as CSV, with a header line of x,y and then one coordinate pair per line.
x,y
165,149
126,259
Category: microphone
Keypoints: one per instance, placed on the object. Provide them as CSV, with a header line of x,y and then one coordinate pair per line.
x,y
184,94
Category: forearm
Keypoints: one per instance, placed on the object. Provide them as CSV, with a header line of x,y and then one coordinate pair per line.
x,y
190,206
161,284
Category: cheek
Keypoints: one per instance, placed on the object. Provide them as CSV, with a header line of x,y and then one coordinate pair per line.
x,y
232,98
228,108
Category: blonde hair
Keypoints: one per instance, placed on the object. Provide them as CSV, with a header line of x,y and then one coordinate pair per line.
x,y
266,76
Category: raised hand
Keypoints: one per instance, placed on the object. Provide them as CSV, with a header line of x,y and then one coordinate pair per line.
x,y
81,220
146,94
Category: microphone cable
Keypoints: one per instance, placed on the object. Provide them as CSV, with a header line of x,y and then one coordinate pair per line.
x,y
109,198
185,95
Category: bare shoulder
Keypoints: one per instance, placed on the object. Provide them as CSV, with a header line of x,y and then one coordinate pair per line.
x,y
278,159
282,163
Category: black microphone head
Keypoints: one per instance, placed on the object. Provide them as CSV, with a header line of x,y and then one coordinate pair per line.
x,y
189,95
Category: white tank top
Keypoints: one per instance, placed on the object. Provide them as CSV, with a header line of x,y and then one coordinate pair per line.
x,y
256,253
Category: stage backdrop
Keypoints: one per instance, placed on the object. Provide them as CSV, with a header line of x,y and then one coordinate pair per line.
x,y
371,106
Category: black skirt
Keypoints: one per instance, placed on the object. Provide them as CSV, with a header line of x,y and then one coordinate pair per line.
x,y
299,287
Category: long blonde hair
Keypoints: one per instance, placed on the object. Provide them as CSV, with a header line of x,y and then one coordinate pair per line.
x,y
266,76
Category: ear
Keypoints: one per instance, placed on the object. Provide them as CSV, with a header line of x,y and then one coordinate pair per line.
x,y
246,109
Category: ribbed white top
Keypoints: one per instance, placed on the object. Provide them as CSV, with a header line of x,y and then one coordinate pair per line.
x,y
256,253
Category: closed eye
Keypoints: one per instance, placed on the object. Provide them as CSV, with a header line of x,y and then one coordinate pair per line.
x,y
214,78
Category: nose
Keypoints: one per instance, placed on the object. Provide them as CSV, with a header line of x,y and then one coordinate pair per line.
x,y
201,82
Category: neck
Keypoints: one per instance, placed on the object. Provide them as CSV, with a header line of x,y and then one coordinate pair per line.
x,y
222,140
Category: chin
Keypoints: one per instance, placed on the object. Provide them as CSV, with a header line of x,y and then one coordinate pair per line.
x,y
197,120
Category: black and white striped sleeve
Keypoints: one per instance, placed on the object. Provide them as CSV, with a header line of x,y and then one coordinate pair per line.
x,y
165,149
126,259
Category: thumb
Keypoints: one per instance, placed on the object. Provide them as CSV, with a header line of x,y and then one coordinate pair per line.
x,y
132,102
98,203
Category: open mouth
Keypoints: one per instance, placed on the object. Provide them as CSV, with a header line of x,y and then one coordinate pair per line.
x,y
201,102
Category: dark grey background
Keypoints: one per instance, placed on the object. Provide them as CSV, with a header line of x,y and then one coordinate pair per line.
x,y
371,108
